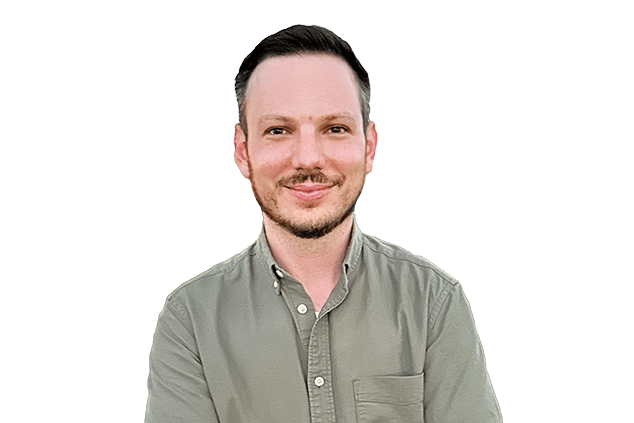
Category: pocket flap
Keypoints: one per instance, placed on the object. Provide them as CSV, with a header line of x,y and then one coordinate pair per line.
x,y
390,389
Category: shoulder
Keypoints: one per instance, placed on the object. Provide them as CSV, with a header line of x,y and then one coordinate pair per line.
x,y
408,279
393,257
216,277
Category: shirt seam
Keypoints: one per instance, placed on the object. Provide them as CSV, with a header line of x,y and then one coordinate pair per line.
x,y
179,311
438,305
388,402
178,307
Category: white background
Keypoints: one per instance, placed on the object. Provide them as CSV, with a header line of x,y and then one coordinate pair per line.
x,y
504,156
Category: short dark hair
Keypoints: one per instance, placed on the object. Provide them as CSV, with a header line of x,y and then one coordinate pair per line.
x,y
296,40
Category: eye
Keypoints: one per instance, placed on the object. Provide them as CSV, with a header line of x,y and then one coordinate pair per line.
x,y
337,129
276,131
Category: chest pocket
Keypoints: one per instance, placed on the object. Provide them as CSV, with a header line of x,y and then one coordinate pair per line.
x,y
385,399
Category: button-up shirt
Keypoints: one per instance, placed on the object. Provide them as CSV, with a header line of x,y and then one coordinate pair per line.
x,y
394,342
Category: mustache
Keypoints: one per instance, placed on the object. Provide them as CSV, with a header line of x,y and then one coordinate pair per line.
x,y
316,177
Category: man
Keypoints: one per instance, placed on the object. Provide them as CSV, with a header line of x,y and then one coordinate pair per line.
x,y
315,322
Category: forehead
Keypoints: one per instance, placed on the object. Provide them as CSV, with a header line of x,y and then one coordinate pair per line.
x,y
306,85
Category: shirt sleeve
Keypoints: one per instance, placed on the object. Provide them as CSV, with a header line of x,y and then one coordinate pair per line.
x,y
457,386
177,388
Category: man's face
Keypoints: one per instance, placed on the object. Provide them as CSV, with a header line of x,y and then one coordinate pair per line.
x,y
307,153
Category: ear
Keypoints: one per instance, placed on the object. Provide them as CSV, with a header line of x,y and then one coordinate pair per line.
x,y
240,154
370,146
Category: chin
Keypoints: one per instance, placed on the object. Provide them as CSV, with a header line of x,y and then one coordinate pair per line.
x,y
311,228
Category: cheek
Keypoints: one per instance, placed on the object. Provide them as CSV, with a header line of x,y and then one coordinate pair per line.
x,y
347,157
271,162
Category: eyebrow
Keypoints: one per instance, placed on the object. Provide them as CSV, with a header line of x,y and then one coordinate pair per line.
x,y
327,118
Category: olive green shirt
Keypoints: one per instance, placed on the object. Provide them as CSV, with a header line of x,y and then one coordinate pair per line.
x,y
394,342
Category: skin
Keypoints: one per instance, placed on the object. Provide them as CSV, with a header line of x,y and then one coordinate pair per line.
x,y
307,156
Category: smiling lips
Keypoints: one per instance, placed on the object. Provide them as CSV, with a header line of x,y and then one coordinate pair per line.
x,y
309,191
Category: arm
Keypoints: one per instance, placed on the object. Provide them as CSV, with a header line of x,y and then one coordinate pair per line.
x,y
457,385
177,388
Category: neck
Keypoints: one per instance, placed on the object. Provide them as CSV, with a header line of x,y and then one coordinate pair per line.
x,y
315,263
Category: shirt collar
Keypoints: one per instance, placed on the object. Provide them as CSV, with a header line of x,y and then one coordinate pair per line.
x,y
354,248
349,262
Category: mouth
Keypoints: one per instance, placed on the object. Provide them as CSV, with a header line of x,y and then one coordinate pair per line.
x,y
309,191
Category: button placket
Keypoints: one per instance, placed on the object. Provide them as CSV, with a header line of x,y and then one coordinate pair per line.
x,y
320,393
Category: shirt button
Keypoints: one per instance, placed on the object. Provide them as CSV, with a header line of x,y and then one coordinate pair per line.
x,y
275,284
319,381
279,273
302,309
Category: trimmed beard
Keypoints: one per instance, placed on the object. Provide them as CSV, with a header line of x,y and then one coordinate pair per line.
x,y
305,231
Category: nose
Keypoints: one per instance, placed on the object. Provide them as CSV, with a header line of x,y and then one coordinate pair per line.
x,y
308,151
